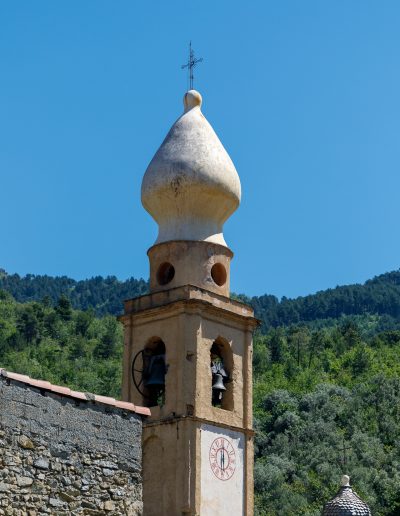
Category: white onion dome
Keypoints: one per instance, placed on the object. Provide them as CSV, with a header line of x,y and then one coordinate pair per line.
x,y
191,186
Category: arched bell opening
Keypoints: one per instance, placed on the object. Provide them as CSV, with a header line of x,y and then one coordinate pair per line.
x,y
221,363
148,372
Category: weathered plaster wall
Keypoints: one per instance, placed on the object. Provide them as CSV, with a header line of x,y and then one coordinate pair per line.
x,y
192,263
188,320
60,456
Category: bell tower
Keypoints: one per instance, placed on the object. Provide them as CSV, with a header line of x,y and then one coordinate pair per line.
x,y
187,345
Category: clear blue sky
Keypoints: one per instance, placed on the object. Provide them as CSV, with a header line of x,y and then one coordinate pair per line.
x,y
305,96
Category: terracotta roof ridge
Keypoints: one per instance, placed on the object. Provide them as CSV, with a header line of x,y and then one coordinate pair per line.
x,y
66,391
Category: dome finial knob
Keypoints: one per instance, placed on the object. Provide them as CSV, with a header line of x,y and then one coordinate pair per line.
x,y
345,481
191,99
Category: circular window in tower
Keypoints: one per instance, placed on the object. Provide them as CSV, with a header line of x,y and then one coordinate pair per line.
x,y
165,273
218,274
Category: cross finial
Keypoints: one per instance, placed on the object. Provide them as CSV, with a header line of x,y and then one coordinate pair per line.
x,y
190,65
343,449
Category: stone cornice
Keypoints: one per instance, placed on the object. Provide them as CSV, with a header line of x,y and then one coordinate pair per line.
x,y
189,299
178,419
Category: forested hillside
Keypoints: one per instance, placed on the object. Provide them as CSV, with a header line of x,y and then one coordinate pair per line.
x,y
315,393
326,377
380,295
62,345
103,295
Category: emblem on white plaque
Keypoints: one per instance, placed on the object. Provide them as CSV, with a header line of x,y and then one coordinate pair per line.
x,y
222,458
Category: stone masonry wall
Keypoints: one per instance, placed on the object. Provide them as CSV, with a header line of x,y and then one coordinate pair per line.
x,y
62,456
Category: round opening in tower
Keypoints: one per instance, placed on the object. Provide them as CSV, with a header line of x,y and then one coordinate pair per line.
x,y
218,274
165,273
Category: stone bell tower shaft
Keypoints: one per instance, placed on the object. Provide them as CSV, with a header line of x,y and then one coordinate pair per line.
x,y
188,346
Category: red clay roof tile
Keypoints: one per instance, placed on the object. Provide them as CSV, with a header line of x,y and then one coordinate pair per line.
x,y
65,391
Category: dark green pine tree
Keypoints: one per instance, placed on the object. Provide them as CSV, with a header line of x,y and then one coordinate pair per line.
x,y
64,308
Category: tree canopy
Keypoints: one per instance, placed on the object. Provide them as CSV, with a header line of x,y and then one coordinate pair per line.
x,y
103,295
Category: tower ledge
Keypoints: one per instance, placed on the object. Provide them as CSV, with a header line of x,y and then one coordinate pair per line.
x,y
187,293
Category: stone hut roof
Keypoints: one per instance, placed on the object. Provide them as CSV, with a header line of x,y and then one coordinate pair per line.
x,y
81,396
346,502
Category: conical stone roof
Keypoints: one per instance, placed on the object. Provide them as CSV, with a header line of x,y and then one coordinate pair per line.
x,y
191,186
346,502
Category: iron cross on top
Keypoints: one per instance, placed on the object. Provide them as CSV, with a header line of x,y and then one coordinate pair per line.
x,y
190,65
343,449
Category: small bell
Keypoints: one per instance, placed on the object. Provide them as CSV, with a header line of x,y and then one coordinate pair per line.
x,y
218,383
156,371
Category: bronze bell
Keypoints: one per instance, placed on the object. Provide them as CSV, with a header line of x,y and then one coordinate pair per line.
x,y
156,371
218,383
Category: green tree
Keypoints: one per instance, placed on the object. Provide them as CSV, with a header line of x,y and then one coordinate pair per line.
x,y
83,321
107,344
64,309
28,324
277,345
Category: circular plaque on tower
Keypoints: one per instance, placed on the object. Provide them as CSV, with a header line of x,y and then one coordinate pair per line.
x,y
222,458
